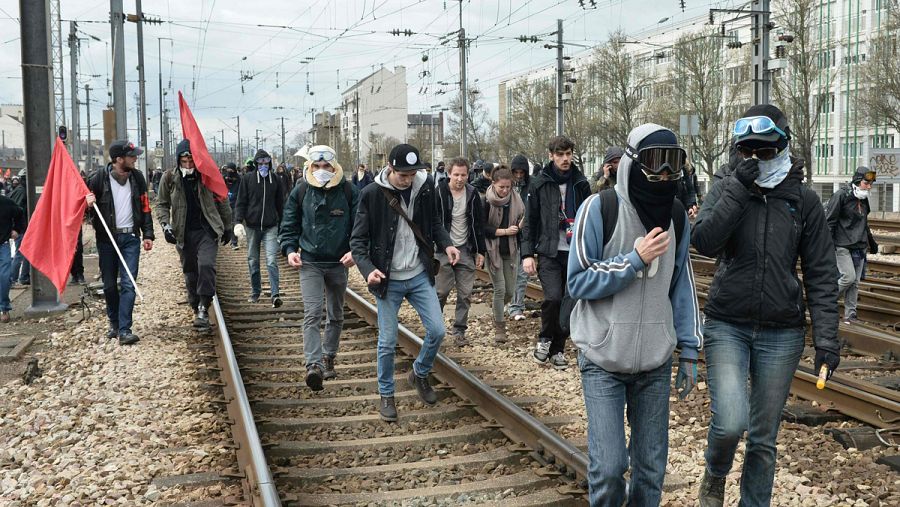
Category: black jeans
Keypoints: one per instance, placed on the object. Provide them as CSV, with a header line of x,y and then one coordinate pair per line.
x,y
552,273
78,260
198,263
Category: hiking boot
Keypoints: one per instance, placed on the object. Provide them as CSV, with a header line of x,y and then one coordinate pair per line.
x,y
459,338
422,387
4,317
128,339
499,332
328,373
387,410
712,491
541,350
558,361
201,318
276,301
254,298
314,378
25,282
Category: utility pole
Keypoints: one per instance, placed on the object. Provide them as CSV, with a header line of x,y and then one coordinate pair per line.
x,y
162,117
73,89
760,57
89,165
257,140
59,86
240,150
141,85
283,159
120,102
463,91
560,68
37,90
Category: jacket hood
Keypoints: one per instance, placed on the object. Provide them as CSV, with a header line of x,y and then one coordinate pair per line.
x,y
333,182
612,153
382,180
183,146
261,154
626,164
859,175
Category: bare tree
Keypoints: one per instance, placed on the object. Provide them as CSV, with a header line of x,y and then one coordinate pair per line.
x,y
881,101
530,123
807,68
627,88
481,131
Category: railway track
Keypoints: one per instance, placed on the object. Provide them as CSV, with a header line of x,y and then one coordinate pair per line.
x,y
296,447
886,225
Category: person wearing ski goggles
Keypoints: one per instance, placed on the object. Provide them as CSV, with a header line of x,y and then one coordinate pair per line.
x,y
659,163
758,222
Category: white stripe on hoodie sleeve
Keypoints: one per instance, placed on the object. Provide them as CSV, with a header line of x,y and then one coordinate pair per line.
x,y
683,294
590,276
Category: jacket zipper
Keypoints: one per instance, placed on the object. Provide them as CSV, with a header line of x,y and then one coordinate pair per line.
x,y
762,275
637,342
263,209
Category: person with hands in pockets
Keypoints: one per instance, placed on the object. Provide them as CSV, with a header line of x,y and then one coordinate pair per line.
x,y
629,271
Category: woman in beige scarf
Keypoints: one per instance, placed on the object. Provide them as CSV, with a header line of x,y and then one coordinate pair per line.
x,y
505,211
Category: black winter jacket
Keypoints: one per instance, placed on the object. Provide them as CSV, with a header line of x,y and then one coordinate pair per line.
x,y
757,239
848,220
474,215
12,218
98,183
540,235
375,231
260,201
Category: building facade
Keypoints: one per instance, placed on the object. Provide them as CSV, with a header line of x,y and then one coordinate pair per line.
x,y
374,113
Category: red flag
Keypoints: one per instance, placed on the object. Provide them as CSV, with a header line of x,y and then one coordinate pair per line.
x,y
49,242
209,171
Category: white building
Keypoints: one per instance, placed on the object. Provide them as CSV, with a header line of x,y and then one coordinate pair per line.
x,y
374,109
12,126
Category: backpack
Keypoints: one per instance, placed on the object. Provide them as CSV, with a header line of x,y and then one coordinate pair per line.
x,y
303,185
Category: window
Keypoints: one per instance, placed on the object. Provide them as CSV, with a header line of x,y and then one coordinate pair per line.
x,y
737,75
826,103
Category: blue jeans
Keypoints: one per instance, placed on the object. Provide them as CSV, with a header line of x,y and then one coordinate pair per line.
x,y
5,279
645,395
119,299
20,263
517,305
422,296
269,239
769,357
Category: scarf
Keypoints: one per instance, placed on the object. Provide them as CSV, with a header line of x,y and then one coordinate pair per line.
x,y
652,200
564,178
772,172
495,217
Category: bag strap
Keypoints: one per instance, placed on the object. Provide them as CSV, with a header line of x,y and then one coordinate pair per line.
x,y
678,215
302,192
609,210
348,193
394,203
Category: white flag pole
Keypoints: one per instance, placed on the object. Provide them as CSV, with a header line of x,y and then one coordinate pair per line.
x,y
121,258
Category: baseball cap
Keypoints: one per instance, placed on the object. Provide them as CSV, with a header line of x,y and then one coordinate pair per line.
x,y
405,157
123,148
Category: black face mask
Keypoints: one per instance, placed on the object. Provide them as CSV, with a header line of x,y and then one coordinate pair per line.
x,y
652,200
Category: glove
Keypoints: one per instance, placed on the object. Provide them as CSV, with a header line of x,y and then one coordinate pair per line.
x,y
747,171
226,236
873,247
686,378
828,358
170,236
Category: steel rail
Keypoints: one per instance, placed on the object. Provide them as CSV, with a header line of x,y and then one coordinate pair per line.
x,y
887,225
259,487
517,424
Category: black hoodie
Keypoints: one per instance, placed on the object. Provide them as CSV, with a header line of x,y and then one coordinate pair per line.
x,y
260,201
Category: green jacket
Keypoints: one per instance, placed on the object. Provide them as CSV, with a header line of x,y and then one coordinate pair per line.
x,y
171,206
321,225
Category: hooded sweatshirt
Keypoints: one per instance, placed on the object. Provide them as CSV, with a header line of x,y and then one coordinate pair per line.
x,y
405,263
847,216
629,316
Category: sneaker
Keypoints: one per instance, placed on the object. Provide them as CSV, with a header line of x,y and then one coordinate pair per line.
x,y
851,318
276,301
128,339
24,282
314,378
254,298
112,332
500,332
558,361
519,316
234,247
328,373
422,387
387,410
459,338
201,318
712,491
4,317
541,350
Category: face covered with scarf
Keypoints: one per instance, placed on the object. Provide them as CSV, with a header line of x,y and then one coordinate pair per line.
x,y
654,168
763,133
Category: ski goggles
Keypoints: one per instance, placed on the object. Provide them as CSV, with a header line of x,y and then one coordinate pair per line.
x,y
756,124
264,160
325,155
659,163
869,177
766,153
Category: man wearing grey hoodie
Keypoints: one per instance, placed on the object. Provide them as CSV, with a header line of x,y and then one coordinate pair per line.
x,y
397,226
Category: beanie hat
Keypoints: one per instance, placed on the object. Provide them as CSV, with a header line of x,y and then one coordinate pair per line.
x,y
519,162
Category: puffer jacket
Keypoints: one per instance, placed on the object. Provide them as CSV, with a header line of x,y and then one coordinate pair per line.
x,y
540,235
757,238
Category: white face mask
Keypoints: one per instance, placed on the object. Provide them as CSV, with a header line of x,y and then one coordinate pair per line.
x,y
772,172
860,193
323,176
186,172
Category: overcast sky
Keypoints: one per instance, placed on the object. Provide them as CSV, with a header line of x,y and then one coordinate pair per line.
x,y
214,42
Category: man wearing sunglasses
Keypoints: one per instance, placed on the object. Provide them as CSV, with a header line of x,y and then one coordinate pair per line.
x,y
259,206
847,214
631,276
758,221
315,237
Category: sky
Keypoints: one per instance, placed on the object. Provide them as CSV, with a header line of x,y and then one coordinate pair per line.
x,y
267,59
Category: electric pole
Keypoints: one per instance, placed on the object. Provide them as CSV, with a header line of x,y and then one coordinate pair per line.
x,y
463,92
89,165
73,89
257,140
141,85
162,117
240,151
760,55
283,159
37,88
560,68
120,102
59,86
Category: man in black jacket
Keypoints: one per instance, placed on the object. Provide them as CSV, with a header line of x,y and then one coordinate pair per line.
x,y
259,207
20,264
233,182
847,213
758,220
553,198
12,226
398,265
462,216
121,194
